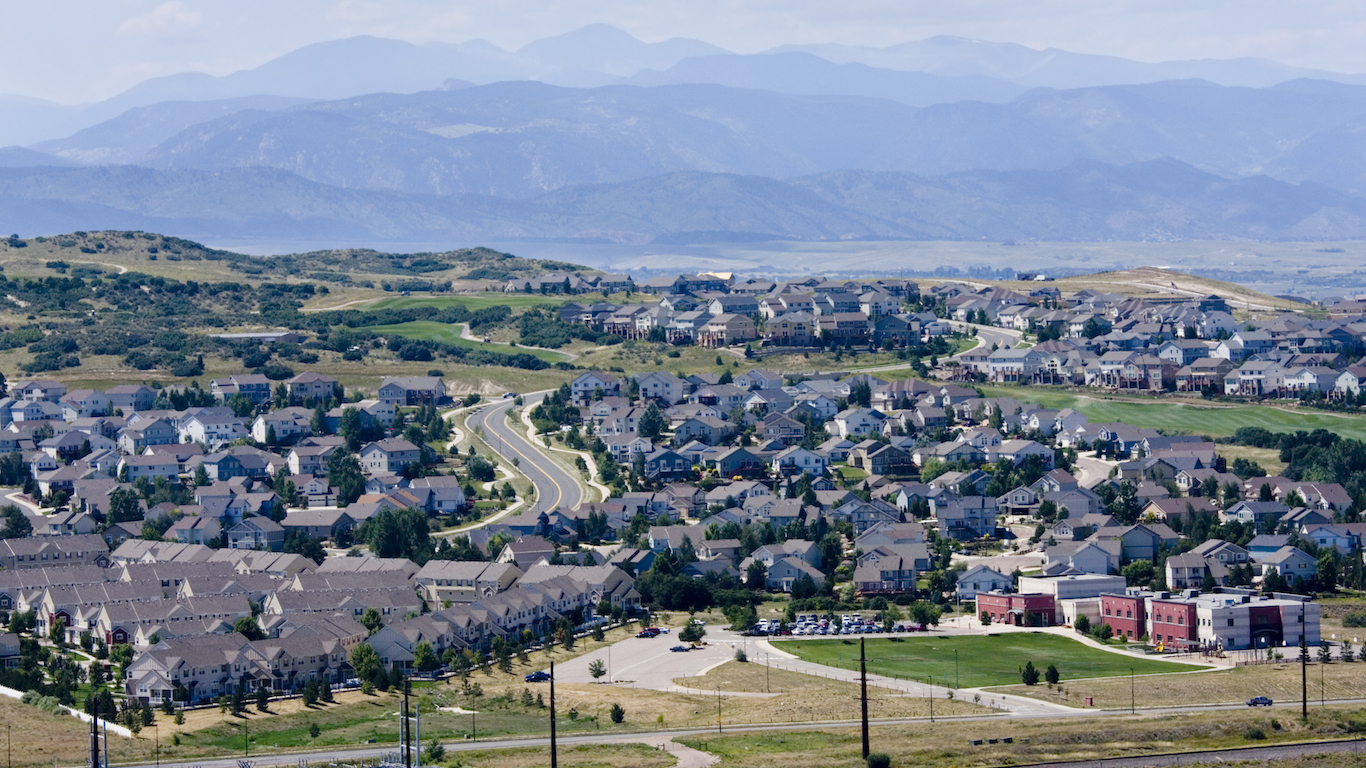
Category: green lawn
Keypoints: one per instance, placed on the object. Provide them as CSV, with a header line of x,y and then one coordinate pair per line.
x,y
1180,417
981,661
473,301
850,473
427,330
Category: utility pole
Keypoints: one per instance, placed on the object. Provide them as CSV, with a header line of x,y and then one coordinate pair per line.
x,y
863,692
94,733
554,751
1304,668
404,728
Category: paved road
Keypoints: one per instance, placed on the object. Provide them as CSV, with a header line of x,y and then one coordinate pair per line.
x,y
555,487
1001,337
1091,471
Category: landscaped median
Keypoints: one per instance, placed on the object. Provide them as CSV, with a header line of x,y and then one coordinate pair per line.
x,y
980,660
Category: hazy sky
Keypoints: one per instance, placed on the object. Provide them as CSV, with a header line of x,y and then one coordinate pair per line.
x,y
75,50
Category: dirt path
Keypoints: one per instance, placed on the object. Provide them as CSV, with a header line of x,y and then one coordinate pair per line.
x,y
468,335
122,269
342,306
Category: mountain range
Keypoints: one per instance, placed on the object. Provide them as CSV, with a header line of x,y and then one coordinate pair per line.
x,y
522,139
949,69
597,136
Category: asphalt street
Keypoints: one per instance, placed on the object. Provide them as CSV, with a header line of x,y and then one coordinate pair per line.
x,y
1001,337
555,486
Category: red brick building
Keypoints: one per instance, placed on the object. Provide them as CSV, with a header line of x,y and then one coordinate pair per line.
x,y
1127,615
1036,610
1174,623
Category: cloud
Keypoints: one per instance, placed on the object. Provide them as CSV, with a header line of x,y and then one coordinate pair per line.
x,y
167,19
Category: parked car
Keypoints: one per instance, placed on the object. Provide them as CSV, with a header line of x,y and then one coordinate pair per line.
x,y
648,632
680,649
538,677
1259,701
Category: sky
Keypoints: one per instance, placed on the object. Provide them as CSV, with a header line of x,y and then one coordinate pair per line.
x,y
85,50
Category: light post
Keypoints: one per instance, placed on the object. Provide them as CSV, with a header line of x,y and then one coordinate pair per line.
x,y
955,668
931,698
1132,705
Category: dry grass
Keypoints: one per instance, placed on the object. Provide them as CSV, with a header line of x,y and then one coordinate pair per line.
x,y
806,698
798,693
1268,458
594,756
41,738
1281,682
199,719
756,677
943,745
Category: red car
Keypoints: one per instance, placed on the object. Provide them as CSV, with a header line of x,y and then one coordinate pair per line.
x,y
648,632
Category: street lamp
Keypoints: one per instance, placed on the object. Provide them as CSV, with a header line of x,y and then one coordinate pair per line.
x,y
1132,706
955,668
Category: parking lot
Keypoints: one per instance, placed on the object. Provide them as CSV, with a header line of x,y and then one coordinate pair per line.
x,y
648,662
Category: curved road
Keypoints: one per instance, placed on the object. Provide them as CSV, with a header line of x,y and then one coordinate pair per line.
x,y
555,486
1001,337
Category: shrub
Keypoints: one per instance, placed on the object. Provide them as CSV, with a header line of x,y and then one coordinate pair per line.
x,y
740,655
1254,734
617,713
1355,619
879,760
315,731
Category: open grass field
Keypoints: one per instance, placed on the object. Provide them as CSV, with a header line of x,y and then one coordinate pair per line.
x,y
946,745
1281,682
1267,458
981,660
802,696
1215,420
470,300
426,330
